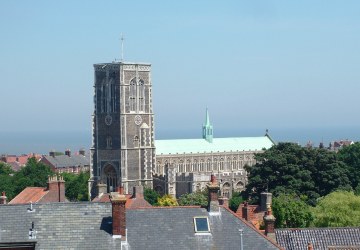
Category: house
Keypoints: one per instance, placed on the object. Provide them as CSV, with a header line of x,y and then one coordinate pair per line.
x,y
336,145
67,163
18,161
319,238
54,192
112,225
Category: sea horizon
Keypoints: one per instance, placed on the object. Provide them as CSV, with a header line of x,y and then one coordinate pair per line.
x,y
17,143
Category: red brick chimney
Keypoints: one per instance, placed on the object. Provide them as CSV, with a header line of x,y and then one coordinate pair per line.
x,y
118,201
213,199
269,221
56,187
3,198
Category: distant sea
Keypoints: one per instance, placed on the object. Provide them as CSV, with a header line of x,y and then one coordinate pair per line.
x,y
43,142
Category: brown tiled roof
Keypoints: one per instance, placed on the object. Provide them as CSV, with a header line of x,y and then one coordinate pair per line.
x,y
29,194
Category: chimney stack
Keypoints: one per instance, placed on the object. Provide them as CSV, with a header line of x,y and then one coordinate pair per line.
x,y
102,189
82,152
3,198
56,186
52,153
213,200
224,201
118,201
138,192
68,152
269,221
265,201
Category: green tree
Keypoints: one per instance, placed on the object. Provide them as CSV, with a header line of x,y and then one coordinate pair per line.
x,y
5,169
151,196
193,199
337,209
6,180
76,186
235,201
291,211
34,174
167,201
350,155
290,168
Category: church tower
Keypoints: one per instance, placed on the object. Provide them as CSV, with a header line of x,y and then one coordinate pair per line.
x,y
207,128
123,151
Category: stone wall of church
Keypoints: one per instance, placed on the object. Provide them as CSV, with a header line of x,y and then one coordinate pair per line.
x,y
193,171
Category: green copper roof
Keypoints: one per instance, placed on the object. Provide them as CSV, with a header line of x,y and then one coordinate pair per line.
x,y
188,146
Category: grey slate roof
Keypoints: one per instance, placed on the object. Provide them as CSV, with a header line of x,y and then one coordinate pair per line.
x,y
62,161
321,238
88,226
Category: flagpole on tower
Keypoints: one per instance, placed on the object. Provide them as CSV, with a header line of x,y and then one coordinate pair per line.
x,y
122,47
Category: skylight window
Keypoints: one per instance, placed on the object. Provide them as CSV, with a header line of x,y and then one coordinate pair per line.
x,y
201,225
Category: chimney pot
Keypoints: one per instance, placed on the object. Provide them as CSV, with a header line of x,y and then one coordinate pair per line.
x,y
102,188
269,221
68,152
265,200
3,198
138,192
224,201
310,246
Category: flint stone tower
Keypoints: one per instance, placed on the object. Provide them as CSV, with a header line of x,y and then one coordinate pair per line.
x,y
123,150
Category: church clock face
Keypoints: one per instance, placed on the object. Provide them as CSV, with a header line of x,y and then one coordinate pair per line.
x,y
137,120
108,120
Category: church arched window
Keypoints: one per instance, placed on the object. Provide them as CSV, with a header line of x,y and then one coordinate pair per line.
x,y
240,186
108,142
226,190
202,168
216,167
132,95
221,164
188,165
208,165
109,177
141,96
181,166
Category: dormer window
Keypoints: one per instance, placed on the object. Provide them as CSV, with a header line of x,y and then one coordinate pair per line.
x,y
201,224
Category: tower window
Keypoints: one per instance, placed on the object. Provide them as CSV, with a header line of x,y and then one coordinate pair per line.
x,y
132,95
141,96
108,142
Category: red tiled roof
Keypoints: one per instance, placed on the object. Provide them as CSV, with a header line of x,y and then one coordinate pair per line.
x,y
29,194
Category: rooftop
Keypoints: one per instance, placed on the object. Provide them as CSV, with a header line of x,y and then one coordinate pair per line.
x,y
188,146
88,225
320,238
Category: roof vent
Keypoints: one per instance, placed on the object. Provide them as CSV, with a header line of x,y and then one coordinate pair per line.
x,y
32,232
31,209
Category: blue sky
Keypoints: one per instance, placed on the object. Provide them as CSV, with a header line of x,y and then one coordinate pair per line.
x,y
254,64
